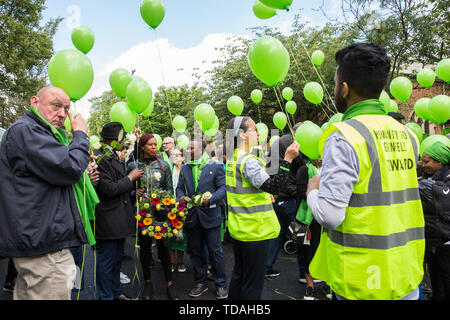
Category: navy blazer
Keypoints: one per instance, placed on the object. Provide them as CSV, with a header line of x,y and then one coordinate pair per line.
x,y
212,179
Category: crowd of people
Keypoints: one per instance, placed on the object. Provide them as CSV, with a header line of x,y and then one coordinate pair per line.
x,y
363,228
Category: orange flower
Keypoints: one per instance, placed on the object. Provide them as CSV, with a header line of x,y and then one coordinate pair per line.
x,y
179,225
171,215
167,201
147,221
158,235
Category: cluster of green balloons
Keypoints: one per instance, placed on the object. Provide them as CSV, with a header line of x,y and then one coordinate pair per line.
x,y
436,110
206,118
152,12
269,60
70,69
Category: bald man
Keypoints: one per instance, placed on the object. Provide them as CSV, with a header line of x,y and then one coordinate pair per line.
x,y
39,218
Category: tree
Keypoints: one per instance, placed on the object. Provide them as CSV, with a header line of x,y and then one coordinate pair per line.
x,y
25,50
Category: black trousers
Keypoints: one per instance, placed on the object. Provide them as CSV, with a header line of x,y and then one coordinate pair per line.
x,y
145,243
439,265
247,279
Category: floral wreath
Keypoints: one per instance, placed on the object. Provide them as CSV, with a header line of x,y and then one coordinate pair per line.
x,y
159,215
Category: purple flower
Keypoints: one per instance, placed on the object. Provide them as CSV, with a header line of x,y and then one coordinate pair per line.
x,y
181,206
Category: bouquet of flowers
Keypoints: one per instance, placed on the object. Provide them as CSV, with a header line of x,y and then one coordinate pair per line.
x,y
159,215
198,199
115,145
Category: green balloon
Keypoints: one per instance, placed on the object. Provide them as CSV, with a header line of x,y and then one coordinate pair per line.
x,y
235,105
279,120
179,123
393,106
401,88
287,93
263,131
256,96
384,97
71,71
278,4
269,60
139,94
211,132
325,126
147,112
119,80
336,118
313,92
121,112
158,140
421,108
83,39
308,136
93,139
439,108
443,70
414,127
67,122
429,141
262,11
291,107
153,12
318,57
183,141
204,114
273,139
426,77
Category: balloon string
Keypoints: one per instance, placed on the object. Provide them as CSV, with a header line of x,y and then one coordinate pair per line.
x,y
136,251
163,78
288,122
318,74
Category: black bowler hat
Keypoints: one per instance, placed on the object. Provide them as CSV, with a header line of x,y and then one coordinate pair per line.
x,y
110,131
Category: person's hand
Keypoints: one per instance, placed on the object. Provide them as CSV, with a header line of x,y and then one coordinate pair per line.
x,y
137,132
185,199
313,183
94,176
205,202
292,152
136,174
78,123
139,192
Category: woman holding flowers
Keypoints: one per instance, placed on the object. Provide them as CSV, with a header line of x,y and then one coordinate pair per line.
x,y
157,177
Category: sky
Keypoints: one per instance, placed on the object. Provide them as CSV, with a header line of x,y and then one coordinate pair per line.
x,y
185,39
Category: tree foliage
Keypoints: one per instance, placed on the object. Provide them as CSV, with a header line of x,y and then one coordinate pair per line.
x,y
26,47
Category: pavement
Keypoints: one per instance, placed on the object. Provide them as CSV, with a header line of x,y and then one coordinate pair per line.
x,y
284,287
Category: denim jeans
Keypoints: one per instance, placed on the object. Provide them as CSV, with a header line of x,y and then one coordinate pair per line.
x,y
286,211
109,261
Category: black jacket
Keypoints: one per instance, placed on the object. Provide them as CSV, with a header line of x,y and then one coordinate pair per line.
x,y
114,214
38,210
435,196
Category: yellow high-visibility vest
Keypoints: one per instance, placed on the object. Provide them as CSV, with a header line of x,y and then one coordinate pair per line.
x,y
250,212
377,252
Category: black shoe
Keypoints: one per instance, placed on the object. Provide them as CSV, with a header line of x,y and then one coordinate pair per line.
x,y
198,290
171,293
122,297
327,292
309,294
148,291
8,287
272,273
221,293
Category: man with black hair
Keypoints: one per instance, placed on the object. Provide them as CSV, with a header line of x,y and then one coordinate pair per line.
x,y
372,244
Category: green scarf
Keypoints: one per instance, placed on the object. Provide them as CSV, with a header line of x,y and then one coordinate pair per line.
x,y
304,213
439,152
197,166
85,194
370,106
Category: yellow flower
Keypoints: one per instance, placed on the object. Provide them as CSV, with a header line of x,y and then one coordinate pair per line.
x,y
158,207
144,232
172,201
167,201
171,215
146,205
138,217
181,213
157,228
154,195
175,231
147,221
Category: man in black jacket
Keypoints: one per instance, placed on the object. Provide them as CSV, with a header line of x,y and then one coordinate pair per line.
x,y
114,216
39,217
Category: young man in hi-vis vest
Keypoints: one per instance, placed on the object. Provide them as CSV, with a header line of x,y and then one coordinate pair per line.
x,y
367,198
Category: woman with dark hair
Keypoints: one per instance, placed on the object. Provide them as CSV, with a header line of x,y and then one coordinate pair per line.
x,y
251,218
157,176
